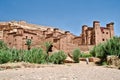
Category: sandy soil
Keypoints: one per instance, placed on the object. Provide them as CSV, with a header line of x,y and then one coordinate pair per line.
x,y
80,71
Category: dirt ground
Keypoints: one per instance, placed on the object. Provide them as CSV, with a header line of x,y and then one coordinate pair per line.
x,y
69,71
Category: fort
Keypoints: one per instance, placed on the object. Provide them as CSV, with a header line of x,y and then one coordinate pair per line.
x,y
15,34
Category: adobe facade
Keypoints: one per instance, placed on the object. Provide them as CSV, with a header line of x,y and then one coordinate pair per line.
x,y
96,34
15,35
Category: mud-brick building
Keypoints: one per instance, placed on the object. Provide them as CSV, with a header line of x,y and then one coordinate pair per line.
x,y
15,35
95,35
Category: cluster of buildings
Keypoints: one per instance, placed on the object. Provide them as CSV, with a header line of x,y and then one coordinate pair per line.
x,y
15,34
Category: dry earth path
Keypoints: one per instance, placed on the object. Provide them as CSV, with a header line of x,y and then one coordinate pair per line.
x,y
80,71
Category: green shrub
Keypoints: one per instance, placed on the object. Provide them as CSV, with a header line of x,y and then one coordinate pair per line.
x,y
15,55
32,56
4,56
11,55
85,55
104,63
76,55
3,45
35,56
93,52
48,46
58,57
111,47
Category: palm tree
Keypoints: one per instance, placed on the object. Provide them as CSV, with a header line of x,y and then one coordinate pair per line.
x,y
28,43
48,46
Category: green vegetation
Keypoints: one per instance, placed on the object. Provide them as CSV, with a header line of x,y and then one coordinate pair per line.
x,y
4,56
111,47
58,57
76,55
35,56
15,55
3,46
31,55
28,43
85,55
48,46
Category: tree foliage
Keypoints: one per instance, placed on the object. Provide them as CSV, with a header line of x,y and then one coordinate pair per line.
x,y
111,47
28,43
48,45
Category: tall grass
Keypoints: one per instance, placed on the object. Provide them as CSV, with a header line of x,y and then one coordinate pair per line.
x,y
4,56
16,55
3,46
35,56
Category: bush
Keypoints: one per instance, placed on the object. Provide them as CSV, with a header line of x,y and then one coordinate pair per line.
x,y
76,55
35,56
15,55
85,55
4,56
11,55
58,57
32,56
3,45
111,47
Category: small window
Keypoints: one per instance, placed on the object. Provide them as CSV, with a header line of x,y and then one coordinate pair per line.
x,y
103,32
106,32
55,40
26,37
31,37
103,39
9,43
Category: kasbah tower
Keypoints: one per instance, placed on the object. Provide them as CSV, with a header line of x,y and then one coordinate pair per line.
x,y
15,34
